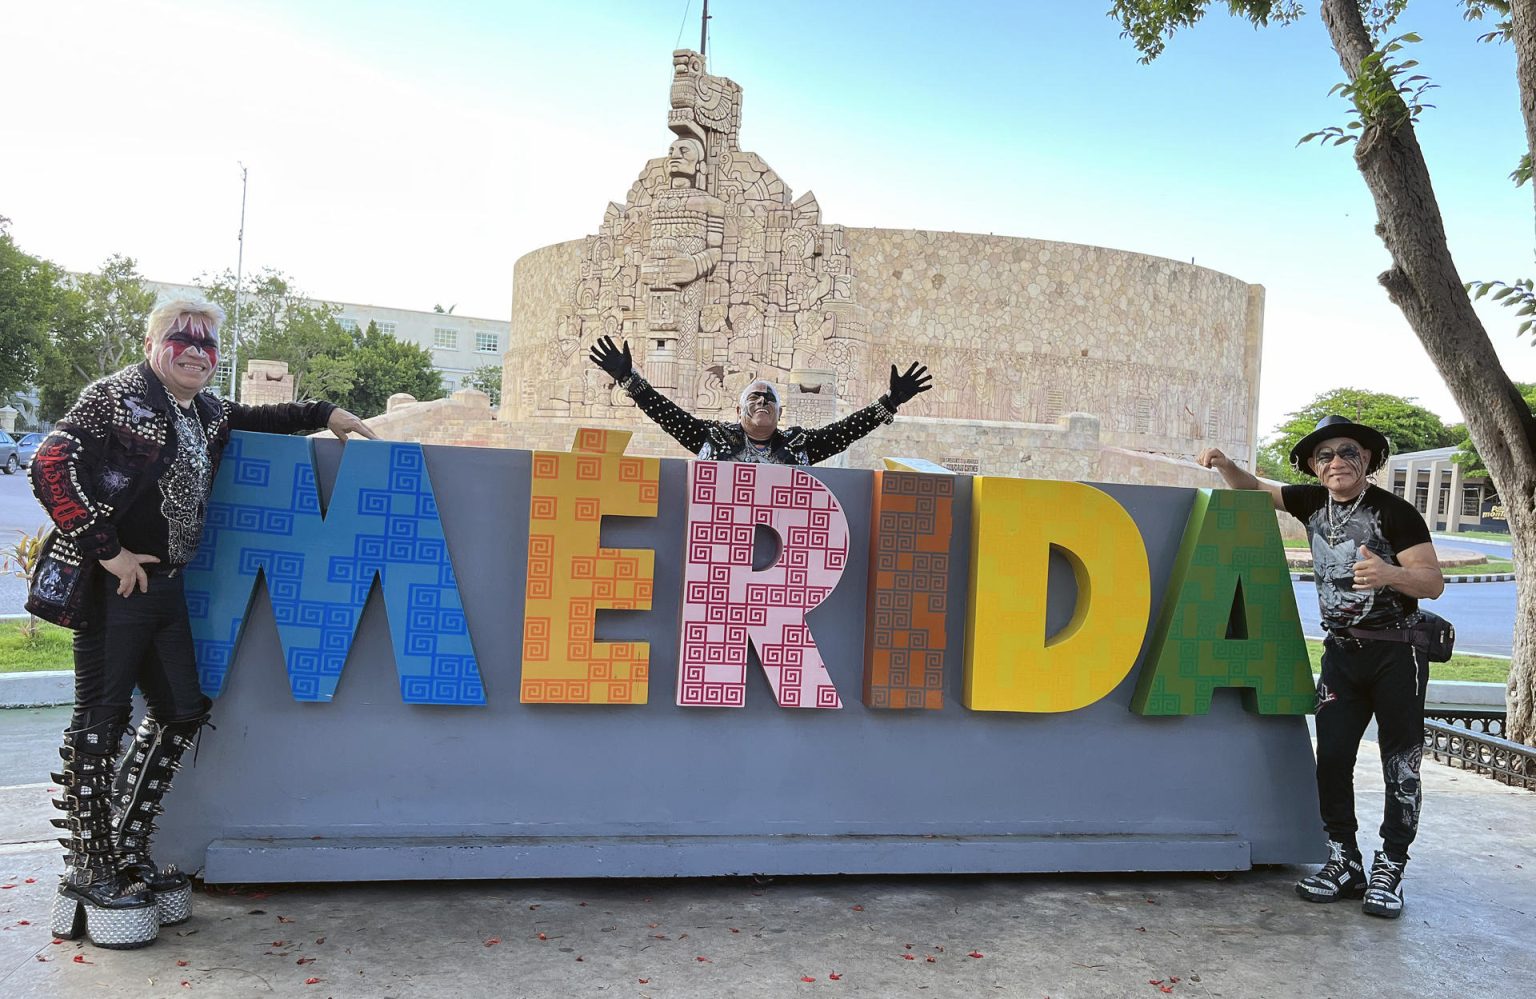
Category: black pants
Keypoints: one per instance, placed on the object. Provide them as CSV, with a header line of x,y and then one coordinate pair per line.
x,y
1361,679
143,640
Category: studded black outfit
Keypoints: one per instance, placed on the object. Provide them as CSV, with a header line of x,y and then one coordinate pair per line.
x,y
722,441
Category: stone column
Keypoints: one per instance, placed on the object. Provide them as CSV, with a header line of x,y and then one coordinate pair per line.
x,y
1437,471
1453,513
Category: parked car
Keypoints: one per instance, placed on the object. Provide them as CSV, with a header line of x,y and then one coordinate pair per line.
x,y
10,458
26,448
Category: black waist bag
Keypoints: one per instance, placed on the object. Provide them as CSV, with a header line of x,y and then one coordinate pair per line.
x,y
1430,632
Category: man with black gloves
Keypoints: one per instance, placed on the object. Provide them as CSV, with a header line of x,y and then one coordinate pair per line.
x,y
756,435
1373,562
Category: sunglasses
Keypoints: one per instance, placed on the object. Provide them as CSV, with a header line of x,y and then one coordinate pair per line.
x,y
1325,457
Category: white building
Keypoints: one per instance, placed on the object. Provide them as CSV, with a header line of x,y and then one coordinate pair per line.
x,y
1448,500
458,344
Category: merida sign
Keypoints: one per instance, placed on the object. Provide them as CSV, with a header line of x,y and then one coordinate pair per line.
x,y
1228,620
461,662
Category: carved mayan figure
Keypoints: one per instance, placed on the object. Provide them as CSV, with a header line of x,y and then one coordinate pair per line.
x,y
714,273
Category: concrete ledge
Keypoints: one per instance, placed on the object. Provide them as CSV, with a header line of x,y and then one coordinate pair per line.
x,y
248,861
42,689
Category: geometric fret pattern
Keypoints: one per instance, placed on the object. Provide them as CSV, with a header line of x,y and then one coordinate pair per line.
x,y
726,604
382,522
1231,553
905,638
571,576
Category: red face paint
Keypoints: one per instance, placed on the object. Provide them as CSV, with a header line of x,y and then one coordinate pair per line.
x,y
178,343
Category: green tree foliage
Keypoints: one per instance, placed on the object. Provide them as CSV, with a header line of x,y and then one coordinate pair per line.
x,y
1467,457
357,371
385,365
486,378
30,293
1407,425
98,329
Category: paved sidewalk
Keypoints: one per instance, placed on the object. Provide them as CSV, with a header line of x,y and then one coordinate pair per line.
x,y
1470,921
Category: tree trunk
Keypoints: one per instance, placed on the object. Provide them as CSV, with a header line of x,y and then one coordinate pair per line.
x,y
1424,284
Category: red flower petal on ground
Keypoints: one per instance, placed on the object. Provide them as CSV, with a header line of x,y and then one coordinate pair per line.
x,y
645,981
703,960
1165,989
492,941
23,922
834,976
1154,981
975,953
543,937
279,943
908,957
186,985
305,960
1174,979
806,978
30,881
311,981
931,959
858,908
734,930
57,941
181,964
80,959
7,886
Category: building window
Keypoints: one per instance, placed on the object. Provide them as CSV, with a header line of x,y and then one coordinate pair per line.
x,y
1421,498
388,329
964,466
1444,500
487,343
1471,502
350,325
445,339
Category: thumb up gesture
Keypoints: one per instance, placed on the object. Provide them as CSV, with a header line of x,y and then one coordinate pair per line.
x,y
1371,571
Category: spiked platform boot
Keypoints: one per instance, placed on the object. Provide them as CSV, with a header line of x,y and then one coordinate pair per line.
x,y
1384,893
142,782
95,899
1342,877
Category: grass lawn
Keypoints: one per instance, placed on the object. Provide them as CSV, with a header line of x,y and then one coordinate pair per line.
x,y
1483,536
1296,542
1492,565
51,649
1480,668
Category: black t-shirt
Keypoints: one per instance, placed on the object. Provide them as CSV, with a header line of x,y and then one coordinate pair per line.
x,y
1384,523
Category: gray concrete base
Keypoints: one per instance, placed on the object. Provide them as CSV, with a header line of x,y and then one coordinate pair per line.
x,y
42,689
253,860
1471,915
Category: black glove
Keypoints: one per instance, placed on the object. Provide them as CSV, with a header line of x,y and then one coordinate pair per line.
x,y
905,387
619,365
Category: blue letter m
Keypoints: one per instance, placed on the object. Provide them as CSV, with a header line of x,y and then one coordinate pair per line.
x,y
382,521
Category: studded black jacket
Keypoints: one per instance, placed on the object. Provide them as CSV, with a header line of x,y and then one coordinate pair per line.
x,y
117,441
728,441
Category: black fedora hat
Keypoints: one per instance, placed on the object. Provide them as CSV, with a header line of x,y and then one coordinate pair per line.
x,y
1330,427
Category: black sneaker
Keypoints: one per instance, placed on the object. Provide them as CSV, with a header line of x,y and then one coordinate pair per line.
x,y
1384,894
1342,877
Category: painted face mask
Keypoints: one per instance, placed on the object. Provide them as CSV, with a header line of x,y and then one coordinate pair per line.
x,y
178,343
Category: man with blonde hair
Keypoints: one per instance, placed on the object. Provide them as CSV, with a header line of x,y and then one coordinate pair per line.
x,y
125,477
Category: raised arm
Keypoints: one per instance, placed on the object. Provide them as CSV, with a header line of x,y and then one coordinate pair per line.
x,y
1238,478
824,442
687,429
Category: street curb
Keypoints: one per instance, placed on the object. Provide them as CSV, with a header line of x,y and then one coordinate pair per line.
x,y
1492,577
42,689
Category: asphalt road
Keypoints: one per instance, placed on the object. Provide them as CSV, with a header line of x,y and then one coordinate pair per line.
x,y
1483,613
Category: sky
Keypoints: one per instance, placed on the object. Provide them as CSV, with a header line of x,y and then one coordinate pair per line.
x,y
406,154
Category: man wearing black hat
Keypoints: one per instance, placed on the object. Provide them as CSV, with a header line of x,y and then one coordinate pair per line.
x,y
755,436
1373,561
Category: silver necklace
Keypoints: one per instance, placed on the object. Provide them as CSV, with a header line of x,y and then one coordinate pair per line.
x,y
1338,523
